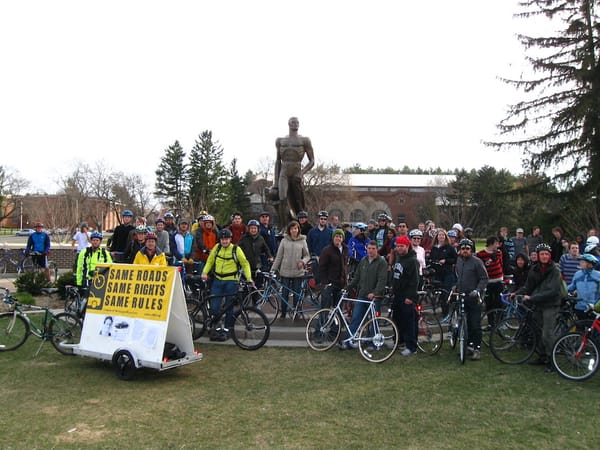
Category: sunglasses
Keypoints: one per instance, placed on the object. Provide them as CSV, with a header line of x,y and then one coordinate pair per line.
x,y
465,247
417,237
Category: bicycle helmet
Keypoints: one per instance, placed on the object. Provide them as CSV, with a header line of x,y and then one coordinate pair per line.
x,y
127,213
415,233
589,258
184,221
383,216
159,220
465,242
38,224
302,215
457,226
361,226
209,218
589,248
96,235
141,229
151,235
253,223
543,247
225,233
323,213
169,216
452,233
593,240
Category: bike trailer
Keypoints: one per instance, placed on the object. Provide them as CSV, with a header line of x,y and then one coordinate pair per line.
x,y
137,317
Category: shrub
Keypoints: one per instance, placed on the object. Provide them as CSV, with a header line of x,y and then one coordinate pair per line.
x,y
65,279
31,282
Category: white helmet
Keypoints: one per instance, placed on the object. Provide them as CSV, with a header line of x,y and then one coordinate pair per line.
x,y
415,232
593,240
458,226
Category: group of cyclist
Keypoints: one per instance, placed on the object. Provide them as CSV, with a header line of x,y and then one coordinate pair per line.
x,y
367,258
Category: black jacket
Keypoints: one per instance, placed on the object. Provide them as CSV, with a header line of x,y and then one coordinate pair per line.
x,y
405,275
333,266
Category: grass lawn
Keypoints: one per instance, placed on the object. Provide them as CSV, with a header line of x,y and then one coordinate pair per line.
x,y
292,398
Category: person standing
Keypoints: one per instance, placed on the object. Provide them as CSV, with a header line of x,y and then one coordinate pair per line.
x,y
305,225
225,261
318,238
255,247
405,282
492,258
82,239
569,262
333,269
472,279
120,236
237,227
39,243
444,255
205,238
162,241
89,258
545,289
150,254
369,279
182,250
138,241
268,233
534,239
290,261
520,242
586,283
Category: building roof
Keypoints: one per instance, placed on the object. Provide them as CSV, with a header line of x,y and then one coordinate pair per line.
x,y
399,180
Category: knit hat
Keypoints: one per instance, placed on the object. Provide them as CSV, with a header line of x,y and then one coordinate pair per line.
x,y
402,240
338,231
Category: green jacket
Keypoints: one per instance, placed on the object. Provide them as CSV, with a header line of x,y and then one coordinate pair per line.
x,y
544,287
86,263
224,264
370,277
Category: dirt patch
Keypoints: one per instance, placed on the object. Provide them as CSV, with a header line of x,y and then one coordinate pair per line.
x,y
83,434
53,302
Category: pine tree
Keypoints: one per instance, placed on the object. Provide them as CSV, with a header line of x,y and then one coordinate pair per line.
x,y
558,122
206,175
171,180
237,198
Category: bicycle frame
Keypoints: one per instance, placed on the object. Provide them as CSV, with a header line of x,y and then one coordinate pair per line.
x,y
282,292
369,313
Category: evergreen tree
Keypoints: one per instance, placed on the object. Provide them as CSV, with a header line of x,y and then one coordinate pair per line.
x,y
236,198
171,181
557,123
207,176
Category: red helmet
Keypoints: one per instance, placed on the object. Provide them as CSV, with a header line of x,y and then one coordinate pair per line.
x,y
151,235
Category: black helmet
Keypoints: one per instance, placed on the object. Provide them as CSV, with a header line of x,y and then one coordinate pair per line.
x,y
464,242
543,246
323,213
225,233
302,215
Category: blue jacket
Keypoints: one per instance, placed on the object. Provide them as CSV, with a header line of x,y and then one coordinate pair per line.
x,y
38,242
357,248
318,239
587,285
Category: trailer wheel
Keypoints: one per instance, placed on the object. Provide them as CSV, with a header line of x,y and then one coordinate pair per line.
x,y
123,365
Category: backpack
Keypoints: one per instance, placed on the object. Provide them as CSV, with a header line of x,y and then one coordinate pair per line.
x,y
217,248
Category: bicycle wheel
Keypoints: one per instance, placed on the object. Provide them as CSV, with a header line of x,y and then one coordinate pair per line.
x,y
574,359
453,331
378,339
64,331
462,341
25,266
512,341
250,328
198,320
323,329
14,331
266,301
3,265
430,335
488,320
72,301
306,307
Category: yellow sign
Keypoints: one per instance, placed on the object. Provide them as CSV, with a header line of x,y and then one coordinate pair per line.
x,y
137,291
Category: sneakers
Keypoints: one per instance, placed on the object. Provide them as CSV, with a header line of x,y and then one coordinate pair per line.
x,y
407,352
476,356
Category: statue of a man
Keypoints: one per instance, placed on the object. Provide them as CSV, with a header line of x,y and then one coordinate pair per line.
x,y
289,171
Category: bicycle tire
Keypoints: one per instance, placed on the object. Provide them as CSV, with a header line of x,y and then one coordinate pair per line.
x,y
305,309
123,365
487,325
64,328
513,341
453,331
250,328
26,265
198,321
72,301
265,300
430,335
572,359
378,339
323,329
14,331
462,341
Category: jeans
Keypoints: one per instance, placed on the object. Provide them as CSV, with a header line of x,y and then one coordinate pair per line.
x,y
293,284
473,313
405,318
358,312
225,291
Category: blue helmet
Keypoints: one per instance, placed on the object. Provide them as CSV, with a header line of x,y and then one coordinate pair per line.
x,y
361,226
589,258
96,235
253,223
127,213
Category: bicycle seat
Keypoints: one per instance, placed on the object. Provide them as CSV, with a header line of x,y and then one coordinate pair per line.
x,y
49,291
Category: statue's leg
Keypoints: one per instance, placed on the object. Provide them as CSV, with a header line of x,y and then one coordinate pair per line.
x,y
296,195
283,208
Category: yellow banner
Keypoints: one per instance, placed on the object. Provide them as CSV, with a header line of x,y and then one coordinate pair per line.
x,y
137,291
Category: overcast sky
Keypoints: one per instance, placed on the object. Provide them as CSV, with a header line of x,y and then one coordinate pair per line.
x,y
380,83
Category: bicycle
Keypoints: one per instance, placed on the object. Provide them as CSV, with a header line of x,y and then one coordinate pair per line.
x,y
63,330
576,354
458,332
250,329
377,336
514,340
431,294
275,293
24,263
76,300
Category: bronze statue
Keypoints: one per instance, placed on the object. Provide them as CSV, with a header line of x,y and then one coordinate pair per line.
x,y
289,171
